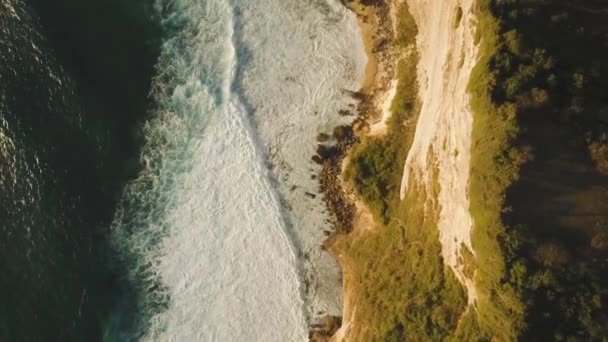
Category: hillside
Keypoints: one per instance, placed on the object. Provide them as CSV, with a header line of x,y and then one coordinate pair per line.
x,y
500,230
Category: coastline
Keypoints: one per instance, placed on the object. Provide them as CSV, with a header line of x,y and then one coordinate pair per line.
x,y
350,215
416,273
377,33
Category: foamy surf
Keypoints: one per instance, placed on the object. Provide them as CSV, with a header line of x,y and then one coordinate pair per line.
x,y
214,248
300,60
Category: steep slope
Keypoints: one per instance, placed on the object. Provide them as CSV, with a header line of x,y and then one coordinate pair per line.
x,y
504,139
443,134
392,264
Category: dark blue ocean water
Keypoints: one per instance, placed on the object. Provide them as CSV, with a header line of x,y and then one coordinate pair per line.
x,y
74,79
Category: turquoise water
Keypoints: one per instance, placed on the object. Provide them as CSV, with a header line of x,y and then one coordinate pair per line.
x,y
212,226
156,167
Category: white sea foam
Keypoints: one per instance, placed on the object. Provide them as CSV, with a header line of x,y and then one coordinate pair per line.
x,y
206,218
301,58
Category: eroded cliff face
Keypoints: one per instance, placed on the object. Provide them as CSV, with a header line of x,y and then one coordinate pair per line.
x,y
442,140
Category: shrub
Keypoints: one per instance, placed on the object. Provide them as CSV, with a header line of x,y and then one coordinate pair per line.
x,y
599,154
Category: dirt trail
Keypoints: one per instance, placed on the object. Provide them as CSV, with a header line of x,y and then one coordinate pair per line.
x,y
443,133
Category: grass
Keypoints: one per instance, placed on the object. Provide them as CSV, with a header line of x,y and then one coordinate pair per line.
x,y
397,270
377,163
520,270
495,165
399,280
531,284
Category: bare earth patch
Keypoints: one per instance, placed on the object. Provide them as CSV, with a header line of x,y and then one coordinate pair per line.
x,y
447,56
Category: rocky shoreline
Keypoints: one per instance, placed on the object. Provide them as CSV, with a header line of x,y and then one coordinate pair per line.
x,y
375,20
375,14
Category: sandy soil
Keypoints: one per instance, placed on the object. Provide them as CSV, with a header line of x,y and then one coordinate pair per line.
x,y
368,23
376,28
443,133
385,99
380,87
379,128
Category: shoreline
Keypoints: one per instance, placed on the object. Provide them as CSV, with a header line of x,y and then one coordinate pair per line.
x,y
349,214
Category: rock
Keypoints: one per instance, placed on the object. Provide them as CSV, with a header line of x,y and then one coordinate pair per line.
x,y
327,152
324,329
317,159
311,195
322,137
345,112
344,134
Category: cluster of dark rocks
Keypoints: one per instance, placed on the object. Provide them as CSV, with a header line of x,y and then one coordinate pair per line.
x,y
324,330
331,153
364,2
330,157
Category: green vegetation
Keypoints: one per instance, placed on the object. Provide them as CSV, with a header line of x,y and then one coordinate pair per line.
x,y
406,28
538,266
400,282
532,284
377,163
599,154
495,165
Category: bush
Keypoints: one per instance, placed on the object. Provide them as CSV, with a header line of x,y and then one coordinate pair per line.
x,y
599,154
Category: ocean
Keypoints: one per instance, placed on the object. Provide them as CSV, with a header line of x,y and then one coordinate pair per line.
x,y
68,113
192,187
